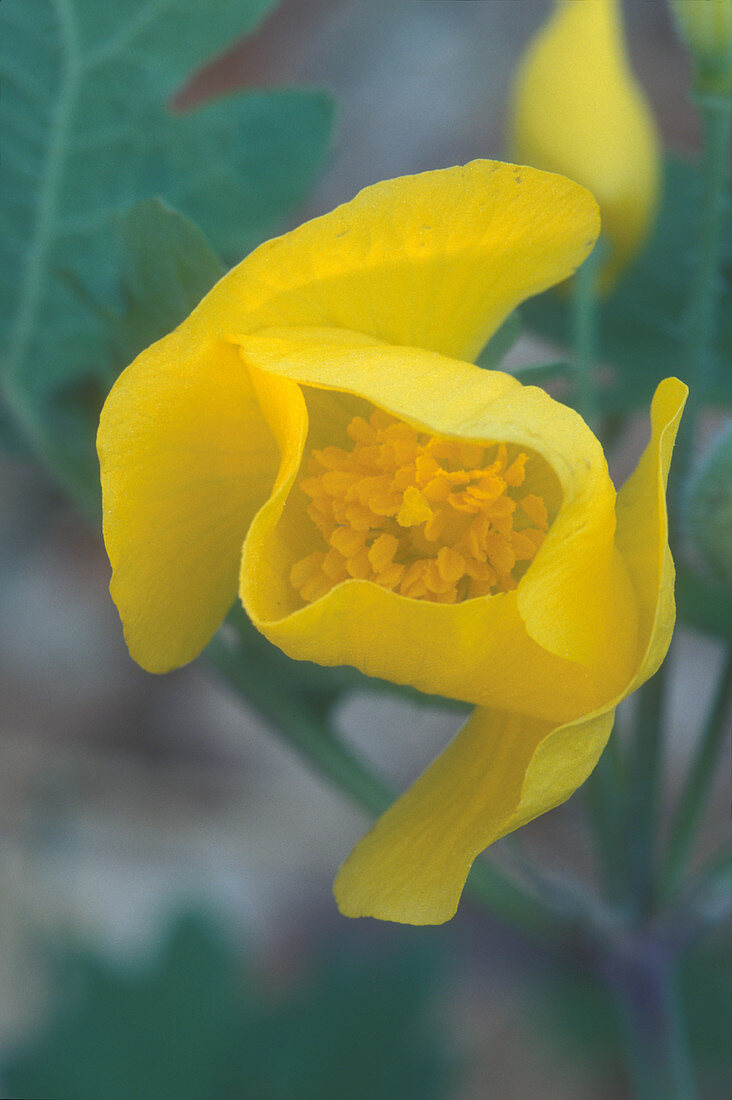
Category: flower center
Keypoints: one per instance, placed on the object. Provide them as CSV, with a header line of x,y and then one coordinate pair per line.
x,y
429,518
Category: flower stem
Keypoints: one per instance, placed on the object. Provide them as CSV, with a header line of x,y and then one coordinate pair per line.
x,y
602,792
584,335
716,115
312,736
645,985
306,732
693,798
645,792
698,361
606,797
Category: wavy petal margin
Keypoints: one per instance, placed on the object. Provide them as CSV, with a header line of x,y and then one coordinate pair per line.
x,y
498,773
436,260
571,605
502,770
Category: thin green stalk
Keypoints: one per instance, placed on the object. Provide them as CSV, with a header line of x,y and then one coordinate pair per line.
x,y
584,336
702,317
303,730
601,791
312,737
706,901
716,872
694,795
645,985
716,116
606,798
502,898
645,794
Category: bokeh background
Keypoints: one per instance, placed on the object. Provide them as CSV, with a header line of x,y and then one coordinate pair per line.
x,y
166,921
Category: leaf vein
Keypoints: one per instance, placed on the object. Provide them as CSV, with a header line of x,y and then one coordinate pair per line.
x,y
34,274
121,39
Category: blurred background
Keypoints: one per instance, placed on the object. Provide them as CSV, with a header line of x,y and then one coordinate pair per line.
x,y
166,921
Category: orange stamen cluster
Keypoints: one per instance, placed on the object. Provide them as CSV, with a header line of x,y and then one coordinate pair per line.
x,y
429,518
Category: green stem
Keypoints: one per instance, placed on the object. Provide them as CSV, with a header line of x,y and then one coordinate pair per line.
x,y
312,737
694,795
716,115
645,984
584,336
706,901
698,362
605,794
303,730
645,794
601,792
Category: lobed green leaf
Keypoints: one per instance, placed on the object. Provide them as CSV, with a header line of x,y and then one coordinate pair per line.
x,y
87,134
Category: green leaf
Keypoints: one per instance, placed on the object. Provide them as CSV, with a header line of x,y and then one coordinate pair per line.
x,y
161,1031
192,1024
167,266
356,1029
87,134
641,322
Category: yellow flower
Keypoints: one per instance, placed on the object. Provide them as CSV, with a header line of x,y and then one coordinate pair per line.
x,y
578,110
316,431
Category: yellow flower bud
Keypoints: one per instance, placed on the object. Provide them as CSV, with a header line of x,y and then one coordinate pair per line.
x,y
578,110
706,28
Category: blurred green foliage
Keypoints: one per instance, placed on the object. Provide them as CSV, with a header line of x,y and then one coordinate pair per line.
x,y
194,1024
88,134
501,342
575,1015
702,603
641,329
642,321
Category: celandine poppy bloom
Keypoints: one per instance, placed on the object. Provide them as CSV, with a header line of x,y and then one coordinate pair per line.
x,y
316,429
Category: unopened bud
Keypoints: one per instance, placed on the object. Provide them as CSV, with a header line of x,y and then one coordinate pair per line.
x,y
706,28
578,110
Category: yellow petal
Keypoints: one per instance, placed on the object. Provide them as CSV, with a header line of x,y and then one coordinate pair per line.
x,y
642,532
578,110
437,259
504,769
186,459
575,601
499,772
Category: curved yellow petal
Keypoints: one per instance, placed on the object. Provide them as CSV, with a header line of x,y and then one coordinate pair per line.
x,y
577,109
437,259
186,460
504,769
499,772
575,602
642,531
